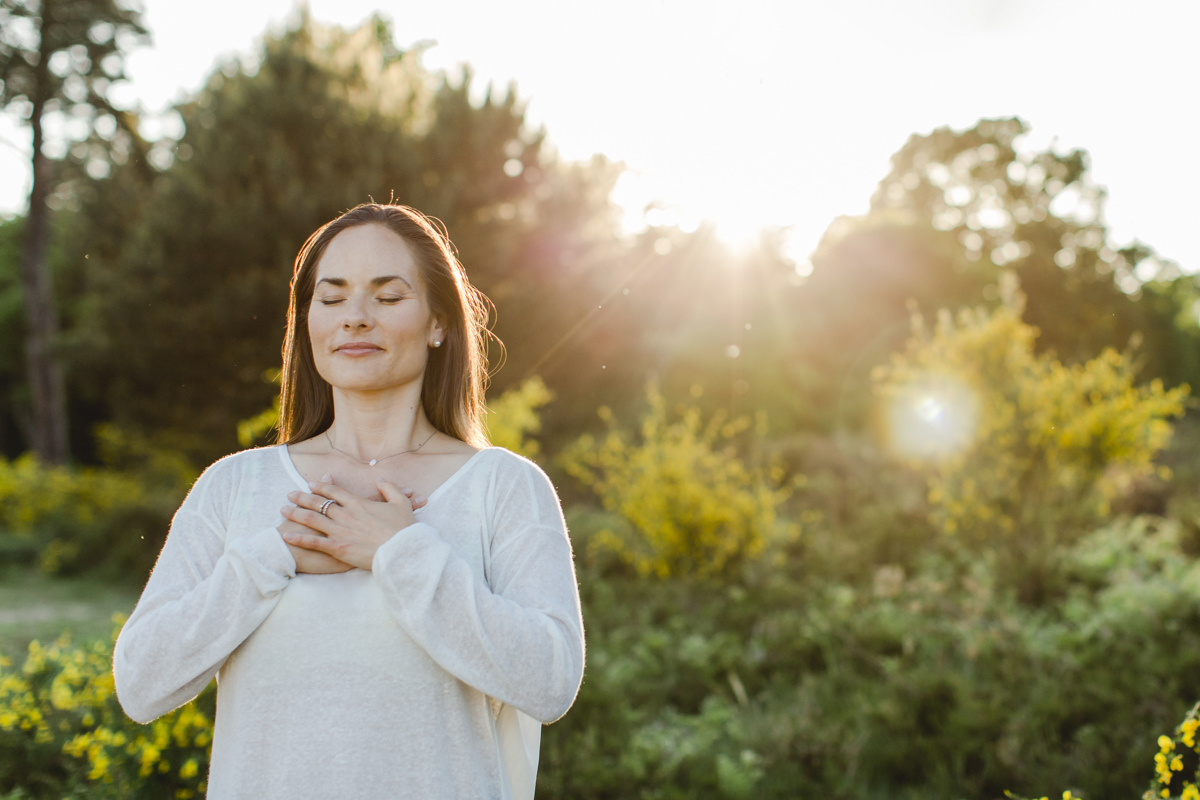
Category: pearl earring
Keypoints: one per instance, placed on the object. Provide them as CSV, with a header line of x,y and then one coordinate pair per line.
x,y
437,343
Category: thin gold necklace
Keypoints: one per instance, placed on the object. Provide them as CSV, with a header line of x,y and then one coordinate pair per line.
x,y
375,461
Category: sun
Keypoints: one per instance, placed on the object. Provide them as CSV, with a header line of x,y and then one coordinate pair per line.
x,y
933,417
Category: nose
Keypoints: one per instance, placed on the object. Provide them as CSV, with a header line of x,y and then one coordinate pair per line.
x,y
356,314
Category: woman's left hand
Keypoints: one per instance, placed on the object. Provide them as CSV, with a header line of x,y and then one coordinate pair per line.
x,y
354,527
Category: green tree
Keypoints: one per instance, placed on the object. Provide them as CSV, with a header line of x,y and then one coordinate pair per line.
x,y
189,288
1037,213
956,209
58,59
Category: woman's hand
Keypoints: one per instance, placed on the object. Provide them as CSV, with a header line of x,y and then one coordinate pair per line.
x,y
352,527
311,562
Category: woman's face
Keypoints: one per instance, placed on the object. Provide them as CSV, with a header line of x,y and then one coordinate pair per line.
x,y
370,322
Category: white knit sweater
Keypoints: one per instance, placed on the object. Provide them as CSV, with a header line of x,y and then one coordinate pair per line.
x,y
365,684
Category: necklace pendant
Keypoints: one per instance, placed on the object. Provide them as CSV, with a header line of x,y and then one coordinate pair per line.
x,y
372,462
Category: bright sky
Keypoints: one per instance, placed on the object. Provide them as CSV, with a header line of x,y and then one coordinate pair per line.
x,y
779,112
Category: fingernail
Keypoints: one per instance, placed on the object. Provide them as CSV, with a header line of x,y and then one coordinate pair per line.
x,y
326,478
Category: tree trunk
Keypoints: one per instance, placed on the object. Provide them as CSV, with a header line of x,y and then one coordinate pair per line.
x,y
49,433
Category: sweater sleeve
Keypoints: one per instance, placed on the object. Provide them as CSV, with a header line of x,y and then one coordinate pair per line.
x,y
204,597
517,637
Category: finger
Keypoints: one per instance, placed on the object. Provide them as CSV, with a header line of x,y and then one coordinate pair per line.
x,y
333,492
313,502
393,493
308,541
290,526
319,523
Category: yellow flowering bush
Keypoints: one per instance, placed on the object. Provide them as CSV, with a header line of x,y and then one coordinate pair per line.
x,y
1020,449
63,733
513,417
70,519
1177,762
690,503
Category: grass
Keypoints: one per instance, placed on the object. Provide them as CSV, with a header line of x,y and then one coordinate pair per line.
x,y
34,606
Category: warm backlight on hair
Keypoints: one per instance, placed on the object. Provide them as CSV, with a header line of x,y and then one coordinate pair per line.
x,y
933,417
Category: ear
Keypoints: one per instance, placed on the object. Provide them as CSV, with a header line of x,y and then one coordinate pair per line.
x,y
437,331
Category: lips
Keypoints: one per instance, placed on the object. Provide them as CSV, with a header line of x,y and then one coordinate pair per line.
x,y
358,349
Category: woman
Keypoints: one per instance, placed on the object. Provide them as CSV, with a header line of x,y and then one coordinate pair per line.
x,y
399,625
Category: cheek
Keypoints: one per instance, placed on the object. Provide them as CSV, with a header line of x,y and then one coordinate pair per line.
x,y
318,334
317,327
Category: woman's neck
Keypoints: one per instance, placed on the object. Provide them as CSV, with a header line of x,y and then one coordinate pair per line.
x,y
374,426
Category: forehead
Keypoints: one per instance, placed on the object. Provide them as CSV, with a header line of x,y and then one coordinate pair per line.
x,y
366,251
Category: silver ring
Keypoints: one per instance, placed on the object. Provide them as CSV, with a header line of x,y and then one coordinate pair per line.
x,y
324,509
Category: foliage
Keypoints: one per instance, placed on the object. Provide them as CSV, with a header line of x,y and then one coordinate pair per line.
x,y
956,209
62,733
58,62
106,520
64,55
919,683
258,429
1038,213
1023,451
691,504
324,118
513,417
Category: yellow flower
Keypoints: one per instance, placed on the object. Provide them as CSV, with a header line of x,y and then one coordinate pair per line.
x,y
1188,731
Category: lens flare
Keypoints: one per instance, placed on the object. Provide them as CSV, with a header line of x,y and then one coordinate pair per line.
x,y
933,417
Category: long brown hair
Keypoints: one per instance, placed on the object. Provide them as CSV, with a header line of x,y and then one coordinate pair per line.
x,y
456,373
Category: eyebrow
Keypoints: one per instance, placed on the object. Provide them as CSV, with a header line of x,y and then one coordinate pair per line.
x,y
375,282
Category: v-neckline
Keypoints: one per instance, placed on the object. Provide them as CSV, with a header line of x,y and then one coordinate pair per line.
x,y
289,466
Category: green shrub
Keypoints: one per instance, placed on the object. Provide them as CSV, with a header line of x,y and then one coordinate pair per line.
x,y
108,520
925,680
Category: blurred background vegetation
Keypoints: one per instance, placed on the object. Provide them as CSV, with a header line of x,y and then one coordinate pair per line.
x,y
917,520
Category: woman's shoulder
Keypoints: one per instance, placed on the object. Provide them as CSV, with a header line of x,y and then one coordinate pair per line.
x,y
237,467
507,468
505,460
